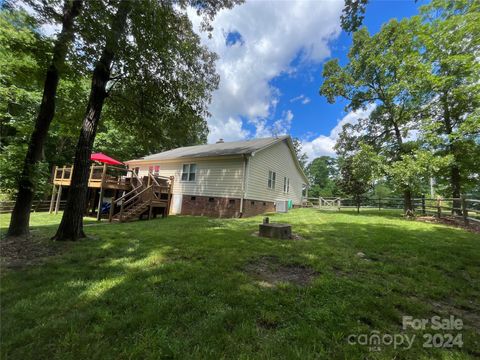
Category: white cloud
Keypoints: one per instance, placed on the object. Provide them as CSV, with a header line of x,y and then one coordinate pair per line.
x,y
323,144
231,127
278,127
302,98
297,98
273,34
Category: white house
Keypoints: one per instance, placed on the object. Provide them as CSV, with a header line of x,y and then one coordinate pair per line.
x,y
229,179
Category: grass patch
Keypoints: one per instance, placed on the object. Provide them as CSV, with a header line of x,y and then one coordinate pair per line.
x,y
184,287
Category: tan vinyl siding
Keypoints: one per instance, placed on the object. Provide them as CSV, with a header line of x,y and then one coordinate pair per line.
x,y
277,158
218,177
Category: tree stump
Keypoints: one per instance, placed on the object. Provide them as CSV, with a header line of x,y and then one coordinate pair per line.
x,y
276,231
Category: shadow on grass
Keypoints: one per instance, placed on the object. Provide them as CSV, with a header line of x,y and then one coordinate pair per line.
x,y
176,287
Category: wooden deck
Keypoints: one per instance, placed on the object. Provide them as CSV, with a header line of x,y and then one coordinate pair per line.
x,y
101,176
149,195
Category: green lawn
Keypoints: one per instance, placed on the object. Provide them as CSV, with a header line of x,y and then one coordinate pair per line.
x,y
180,288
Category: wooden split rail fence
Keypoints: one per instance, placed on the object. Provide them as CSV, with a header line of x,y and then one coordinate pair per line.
x,y
463,207
37,206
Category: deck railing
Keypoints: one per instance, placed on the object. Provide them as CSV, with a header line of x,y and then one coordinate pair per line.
x,y
108,175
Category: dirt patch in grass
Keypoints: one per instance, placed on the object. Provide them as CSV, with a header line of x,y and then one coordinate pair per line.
x,y
339,272
270,272
451,221
469,315
17,252
267,324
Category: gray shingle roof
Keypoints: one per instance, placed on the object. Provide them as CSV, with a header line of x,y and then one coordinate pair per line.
x,y
219,149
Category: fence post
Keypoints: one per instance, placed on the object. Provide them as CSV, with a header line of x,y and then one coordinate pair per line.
x,y
339,204
464,210
439,207
379,204
39,204
424,211
319,202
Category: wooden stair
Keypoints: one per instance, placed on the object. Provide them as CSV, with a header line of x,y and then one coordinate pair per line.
x,y
143,198
132,212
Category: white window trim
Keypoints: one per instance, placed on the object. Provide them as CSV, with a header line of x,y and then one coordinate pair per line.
x,y
272,181
286,185
188,173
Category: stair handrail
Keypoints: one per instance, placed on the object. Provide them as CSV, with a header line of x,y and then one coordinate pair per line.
x,y
128,207
136,176
122,206
127,194
131,191
153,178
150,187
136,195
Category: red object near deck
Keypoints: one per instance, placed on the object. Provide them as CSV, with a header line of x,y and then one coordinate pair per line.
x,y
100,157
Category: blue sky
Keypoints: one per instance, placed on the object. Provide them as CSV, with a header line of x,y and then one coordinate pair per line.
x,y
270,65
318,116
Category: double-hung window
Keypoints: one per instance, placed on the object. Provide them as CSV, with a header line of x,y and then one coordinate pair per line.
x,y
189,172
271,179
286,184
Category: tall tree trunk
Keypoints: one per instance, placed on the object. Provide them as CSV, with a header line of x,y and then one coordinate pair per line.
x,y
407,193
455,176
456,188
26,186
407,201
71,226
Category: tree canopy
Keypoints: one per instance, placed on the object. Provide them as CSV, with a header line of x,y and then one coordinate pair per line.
x,y
24,56
451,118
421,78
380,73
322,173
165,108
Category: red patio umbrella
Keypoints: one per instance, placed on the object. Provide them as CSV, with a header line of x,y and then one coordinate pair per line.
x,y
100,157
